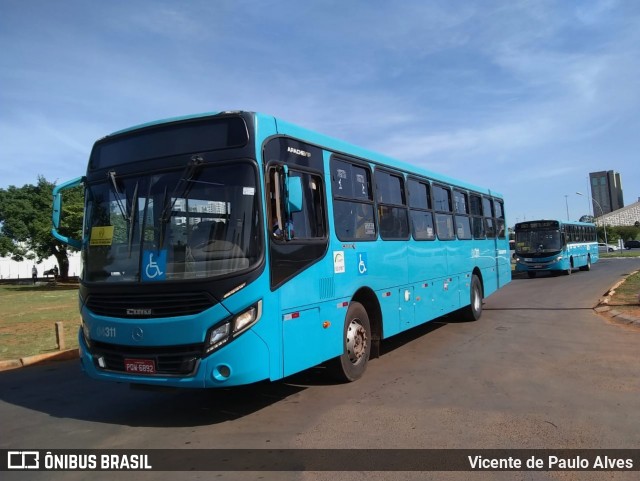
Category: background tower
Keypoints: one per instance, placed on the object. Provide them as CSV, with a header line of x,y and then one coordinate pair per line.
x,y
606,192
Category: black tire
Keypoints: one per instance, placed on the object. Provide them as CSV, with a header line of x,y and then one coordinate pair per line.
x,y
531,274
356,336
474,310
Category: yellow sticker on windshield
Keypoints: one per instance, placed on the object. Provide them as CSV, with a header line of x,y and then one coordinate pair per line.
x,y
101,236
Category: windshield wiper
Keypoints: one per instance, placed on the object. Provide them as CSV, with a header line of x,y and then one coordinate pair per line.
x,y
194,164
134,209
185,178
116,191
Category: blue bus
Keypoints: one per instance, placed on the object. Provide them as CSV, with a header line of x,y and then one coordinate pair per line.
x,y
228,248
555,246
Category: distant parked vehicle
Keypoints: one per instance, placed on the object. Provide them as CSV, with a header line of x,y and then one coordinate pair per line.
x,y
602,247
632,244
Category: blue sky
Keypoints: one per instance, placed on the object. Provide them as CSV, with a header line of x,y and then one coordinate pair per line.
x,y
524,97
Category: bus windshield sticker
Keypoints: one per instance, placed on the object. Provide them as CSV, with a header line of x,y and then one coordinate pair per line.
x,y
155,265
342,174
338,262
248,191
369,228
101,236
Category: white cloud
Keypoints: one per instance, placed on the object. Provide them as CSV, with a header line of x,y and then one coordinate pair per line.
x,y
524,82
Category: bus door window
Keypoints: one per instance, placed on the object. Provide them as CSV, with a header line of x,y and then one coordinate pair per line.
x,y
309,221
276,205
298,237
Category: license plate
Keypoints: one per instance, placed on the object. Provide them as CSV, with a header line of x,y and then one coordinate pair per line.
x,y
537,267
140,366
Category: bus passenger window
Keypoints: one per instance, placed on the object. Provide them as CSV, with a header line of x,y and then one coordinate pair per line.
x,y
444,223
353,211
477,220
442,199
420,203
392,212
422,224
463,227
489,222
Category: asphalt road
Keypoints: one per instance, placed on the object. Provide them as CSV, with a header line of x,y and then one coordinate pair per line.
x,y
539,370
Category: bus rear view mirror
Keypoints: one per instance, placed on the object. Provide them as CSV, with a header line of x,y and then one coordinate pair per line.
x,y
294,190
56,214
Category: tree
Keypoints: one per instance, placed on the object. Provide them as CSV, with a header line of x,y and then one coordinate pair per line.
x,y
25,219
625,232
586,218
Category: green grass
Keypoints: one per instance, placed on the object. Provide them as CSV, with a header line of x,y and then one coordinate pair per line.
x,y
28,317
625,298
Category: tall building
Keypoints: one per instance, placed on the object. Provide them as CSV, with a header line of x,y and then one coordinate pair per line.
x,y
606,192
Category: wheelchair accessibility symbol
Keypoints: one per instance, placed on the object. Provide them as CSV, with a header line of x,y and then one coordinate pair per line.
x,y
154,265
362,263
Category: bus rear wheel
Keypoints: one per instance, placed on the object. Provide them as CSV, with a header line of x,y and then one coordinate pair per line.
x,y
352,363
474,310
588,266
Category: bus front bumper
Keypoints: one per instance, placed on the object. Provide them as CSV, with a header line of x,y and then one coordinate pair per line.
x,y
548,264
243,361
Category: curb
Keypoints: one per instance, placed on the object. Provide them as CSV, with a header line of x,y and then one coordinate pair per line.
x,y
39,359
618,317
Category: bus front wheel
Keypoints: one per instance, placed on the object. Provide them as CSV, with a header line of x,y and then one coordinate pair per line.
x,y
352,363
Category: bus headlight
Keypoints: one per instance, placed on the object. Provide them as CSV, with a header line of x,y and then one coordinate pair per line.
x,y
218,336
85,333
248,318
222,333
558,259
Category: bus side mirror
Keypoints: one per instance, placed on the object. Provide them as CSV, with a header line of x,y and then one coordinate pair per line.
x,y
294,190
56,213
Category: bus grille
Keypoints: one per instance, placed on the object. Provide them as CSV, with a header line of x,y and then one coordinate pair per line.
x,y
144,306
169,360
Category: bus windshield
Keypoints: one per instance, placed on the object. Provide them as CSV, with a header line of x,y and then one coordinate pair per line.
x,y
199,222
538,241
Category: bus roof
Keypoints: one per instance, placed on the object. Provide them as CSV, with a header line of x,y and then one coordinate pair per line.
x,y
341,146
541,222
326,142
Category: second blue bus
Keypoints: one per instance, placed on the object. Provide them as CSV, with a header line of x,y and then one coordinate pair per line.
x,y
555,246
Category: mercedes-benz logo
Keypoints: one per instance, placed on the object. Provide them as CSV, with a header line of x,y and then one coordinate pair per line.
x,y
137,334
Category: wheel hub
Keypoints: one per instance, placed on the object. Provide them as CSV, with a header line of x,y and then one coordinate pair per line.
x,y
356,341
